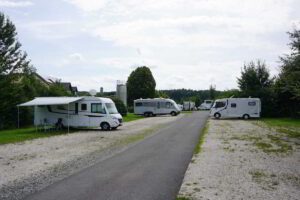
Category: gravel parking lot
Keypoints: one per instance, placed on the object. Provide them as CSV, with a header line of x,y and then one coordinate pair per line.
x,y
244,160
30,166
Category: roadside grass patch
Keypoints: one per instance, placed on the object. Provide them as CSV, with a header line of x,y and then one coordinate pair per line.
x,y
131,117
290,127
265,180
23,134
182,198
204,131
186,112
137,137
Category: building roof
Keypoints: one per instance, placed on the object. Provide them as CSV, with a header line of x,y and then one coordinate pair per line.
x,y
44,101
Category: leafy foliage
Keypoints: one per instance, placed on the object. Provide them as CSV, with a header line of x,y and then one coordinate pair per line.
x,y
255,81
287,86
120,105
140,84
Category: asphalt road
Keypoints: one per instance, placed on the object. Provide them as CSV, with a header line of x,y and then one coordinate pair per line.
x,y
152,169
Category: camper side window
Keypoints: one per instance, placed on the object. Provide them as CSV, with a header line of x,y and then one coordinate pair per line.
x,y
138,104
233,105
83,106
97,108
168,105
252,103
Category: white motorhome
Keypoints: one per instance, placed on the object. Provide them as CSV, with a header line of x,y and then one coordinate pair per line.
x,y
188,105
236,108
206,105
75,112
157,106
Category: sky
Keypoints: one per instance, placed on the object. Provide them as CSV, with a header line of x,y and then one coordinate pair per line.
x,y
186,43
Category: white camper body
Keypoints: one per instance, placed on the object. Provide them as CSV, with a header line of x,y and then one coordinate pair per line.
x,y
75,112
206,105
157,106
188,105
236,108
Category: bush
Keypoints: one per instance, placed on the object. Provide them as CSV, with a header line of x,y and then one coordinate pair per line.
x,y
120,106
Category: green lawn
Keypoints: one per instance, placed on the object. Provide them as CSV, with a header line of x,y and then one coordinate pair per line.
x,y
285,122
131,117
22,134
291,127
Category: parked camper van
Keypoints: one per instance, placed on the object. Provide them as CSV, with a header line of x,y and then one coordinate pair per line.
x,y
158,106
206,105
76,112
188,105
236,107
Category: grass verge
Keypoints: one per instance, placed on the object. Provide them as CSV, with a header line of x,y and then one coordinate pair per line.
x,y
198,147
131,117
22,134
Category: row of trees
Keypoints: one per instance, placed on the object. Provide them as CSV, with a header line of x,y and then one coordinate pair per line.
x,y
280,95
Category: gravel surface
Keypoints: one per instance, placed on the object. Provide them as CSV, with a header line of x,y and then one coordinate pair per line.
x,y
32,165
244,160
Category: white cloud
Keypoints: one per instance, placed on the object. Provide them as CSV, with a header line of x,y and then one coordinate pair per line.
x,y
14,4
51,29
187,43
89,5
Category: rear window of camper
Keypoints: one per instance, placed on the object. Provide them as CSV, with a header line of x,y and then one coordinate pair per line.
x,y
252,103
97,108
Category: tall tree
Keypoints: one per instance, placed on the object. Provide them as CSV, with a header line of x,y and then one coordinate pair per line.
x,y
287,85
12,58
212,91
14,69
254,78
255,81
140,84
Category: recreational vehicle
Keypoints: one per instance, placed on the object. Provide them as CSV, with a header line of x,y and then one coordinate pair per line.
x,y
75,112
188,105
206,105
236,107
158,106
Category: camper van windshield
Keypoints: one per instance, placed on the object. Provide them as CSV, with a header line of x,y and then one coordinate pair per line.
x,y
219,104
111,108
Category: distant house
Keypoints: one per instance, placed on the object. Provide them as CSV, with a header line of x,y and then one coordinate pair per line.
x,y
47,81
75,90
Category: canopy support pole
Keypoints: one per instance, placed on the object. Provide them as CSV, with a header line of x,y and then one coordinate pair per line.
x,y
18,117
68,118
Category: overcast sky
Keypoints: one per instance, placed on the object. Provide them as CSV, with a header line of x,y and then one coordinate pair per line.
x,y
186,43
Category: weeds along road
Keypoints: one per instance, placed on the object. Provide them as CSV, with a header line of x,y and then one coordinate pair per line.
x,y
152,169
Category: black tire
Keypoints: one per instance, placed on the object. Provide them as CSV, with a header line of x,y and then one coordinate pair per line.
x,y
146,114
105,126
173,113
151,114
246,116
217,115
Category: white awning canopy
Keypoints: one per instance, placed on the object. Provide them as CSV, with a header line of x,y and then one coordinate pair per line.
x,y
44,101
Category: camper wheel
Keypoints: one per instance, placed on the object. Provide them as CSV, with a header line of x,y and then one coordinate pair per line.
x,y
148,114
173,113
105,126
217,115
246,116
